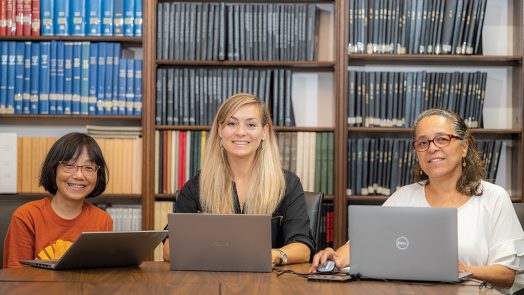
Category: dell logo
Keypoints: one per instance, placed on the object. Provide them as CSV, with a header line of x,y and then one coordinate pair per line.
x,y
402,243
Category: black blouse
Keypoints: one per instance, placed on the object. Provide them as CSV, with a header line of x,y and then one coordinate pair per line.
x,y
290,220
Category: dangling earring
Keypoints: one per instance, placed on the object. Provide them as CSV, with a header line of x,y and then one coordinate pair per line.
x,y
262,144
464,162
421,172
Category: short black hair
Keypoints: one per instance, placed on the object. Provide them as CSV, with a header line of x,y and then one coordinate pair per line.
x,y
68,148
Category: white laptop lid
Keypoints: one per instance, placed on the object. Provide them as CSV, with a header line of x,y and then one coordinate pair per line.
x,y
105,249
403,243
218,242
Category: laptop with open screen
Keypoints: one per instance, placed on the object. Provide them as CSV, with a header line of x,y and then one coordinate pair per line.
x,y
403,243
104,249
220,242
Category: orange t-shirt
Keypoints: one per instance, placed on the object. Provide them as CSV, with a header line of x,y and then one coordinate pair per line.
x,y
37,232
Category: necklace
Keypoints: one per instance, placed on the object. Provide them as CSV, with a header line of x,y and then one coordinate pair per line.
x,y
242,207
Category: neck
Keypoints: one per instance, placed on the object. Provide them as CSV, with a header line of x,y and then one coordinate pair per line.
x,y
444,194
241,169
67,209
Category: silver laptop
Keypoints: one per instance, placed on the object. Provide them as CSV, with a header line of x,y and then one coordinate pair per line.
x,y
104,249
404,243
218,242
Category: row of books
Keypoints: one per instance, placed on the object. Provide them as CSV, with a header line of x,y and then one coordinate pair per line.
x,y
19,17
310,156
394,99
416,26
325,238
91,18
123,158
382,165
162,209
191,96
179,155
79,78
236,31
125,217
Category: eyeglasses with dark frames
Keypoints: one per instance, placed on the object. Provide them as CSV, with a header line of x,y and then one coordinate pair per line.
x,y
87,170
440,141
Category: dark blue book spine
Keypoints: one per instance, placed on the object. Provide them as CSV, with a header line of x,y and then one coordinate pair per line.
x,y
84,78
130,88
108,105
94,16
101,78
10,107
107,17
43,103
118,17
137,108
35,71
93,62
60,78
3,76
26,95
122,86
68,77
75,105
61,17
138,18
19,80
129,17
52,77
78,17
47,14
116,64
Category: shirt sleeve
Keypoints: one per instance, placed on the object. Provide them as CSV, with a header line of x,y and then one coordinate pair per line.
x,y
19,242
295,222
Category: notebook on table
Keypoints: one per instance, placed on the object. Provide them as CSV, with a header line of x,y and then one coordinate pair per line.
x,y
220,242
104,249
404,243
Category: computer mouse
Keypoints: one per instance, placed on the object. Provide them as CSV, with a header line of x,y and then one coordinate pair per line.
x,y
327,266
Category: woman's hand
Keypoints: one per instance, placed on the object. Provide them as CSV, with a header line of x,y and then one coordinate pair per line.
x,y
340,257
275,256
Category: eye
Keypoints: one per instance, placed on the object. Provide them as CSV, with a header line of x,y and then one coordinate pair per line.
x,y
231,123
442,139
252,125
69,166
90,169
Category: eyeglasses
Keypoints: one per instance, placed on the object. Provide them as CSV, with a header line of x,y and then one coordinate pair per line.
x,y
87,170
440,141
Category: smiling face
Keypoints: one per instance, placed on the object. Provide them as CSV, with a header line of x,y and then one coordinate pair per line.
x,y
242,133
75,186
442,163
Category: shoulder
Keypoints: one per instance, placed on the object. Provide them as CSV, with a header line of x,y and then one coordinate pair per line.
x,y
290,177
31,208
94,210
410,194
493,194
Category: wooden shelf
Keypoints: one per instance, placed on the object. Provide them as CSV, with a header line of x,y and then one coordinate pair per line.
x,y
122,39
492,133
103,199
71,117
307,65
277,128
418,59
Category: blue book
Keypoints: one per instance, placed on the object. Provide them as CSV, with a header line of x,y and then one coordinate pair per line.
x,y
46,12
107,18
94,16
138,18
61,17
101,79
93,62
19,77
26,94
43,103
52,78
122,86
3,76
75,99
78,17
68,77
137,107
60,77
130,88
129,17
116,65
108,101
84,78
35,71
118,17
11,58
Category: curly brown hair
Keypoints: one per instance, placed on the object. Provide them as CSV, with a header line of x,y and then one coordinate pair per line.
x,y
474,171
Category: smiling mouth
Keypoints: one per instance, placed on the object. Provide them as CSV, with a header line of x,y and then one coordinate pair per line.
x,y
76,186
241,142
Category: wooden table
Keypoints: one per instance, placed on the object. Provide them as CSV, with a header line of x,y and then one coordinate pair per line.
x,y
156,278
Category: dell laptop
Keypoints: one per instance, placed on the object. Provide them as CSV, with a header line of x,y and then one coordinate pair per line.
x,y
104,249
404,243
220,242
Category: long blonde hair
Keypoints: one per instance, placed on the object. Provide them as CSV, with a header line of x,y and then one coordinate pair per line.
x,y
266,183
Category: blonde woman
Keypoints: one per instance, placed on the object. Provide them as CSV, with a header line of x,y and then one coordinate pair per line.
x,y
241,174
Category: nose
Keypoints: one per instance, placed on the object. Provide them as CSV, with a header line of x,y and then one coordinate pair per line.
x,y
432,146
240,129
79,173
